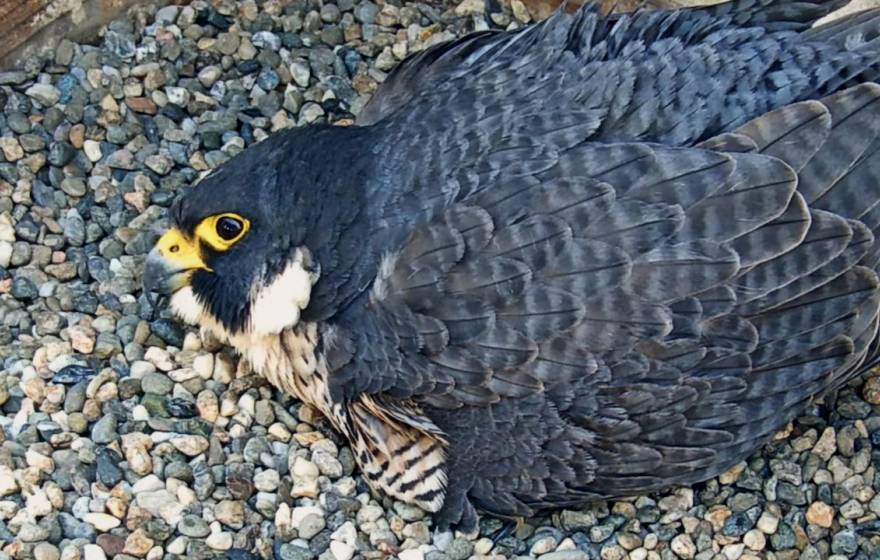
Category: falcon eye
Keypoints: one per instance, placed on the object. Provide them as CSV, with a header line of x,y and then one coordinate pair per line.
x,y
222,231
229,228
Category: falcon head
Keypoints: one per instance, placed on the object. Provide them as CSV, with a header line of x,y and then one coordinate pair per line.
x,y
235,259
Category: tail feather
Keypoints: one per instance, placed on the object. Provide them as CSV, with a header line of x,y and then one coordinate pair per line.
x,y
775,15
863,23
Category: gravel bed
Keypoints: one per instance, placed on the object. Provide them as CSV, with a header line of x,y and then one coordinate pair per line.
x,y
125,436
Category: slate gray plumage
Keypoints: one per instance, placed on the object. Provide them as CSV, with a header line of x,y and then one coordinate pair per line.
x,y
592,258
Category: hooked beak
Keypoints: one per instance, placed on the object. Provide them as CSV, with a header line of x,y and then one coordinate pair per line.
x,y
171,263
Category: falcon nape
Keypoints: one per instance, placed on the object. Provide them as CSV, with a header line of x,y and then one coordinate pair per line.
x,y
592,258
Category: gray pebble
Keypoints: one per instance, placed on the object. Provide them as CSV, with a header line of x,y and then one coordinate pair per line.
x,y
104,430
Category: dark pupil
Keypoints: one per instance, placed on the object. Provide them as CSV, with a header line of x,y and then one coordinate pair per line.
x,y
228,228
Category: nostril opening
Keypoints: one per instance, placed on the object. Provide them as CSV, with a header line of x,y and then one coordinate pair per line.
x,y
174,248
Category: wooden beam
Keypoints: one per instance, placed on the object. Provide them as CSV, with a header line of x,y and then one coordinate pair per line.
x,y
33,28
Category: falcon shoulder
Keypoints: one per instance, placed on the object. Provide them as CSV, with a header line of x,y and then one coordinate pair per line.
x,y
671,76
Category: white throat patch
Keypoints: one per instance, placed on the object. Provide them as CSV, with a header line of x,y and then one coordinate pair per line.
x,y
277,305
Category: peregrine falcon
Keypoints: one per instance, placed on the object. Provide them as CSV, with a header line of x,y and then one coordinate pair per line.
x,y
590,258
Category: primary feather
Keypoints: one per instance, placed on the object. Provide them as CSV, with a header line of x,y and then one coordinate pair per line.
x,y
596,257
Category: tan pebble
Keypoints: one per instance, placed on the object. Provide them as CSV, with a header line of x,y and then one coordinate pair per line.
x,y
190,445
38,503
717,515
203,365
138,543
12,150
827,444
520,12
55,495
117,507
55,394
82,338
207,405
683,547
231,513
871,390
107,392
305,489
40,461
732,474
755,540
77,135
35,389
821,514
470,7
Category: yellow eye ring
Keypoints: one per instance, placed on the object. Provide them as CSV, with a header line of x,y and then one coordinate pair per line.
x,y
222,231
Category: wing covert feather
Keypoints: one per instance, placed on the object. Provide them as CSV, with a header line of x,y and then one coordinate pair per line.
x,y
666,301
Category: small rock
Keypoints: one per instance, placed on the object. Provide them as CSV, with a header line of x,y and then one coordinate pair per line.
x,y
871,390
101,521
92,150
219,541
138,543
827,444
167,15
231,513
161,503
142,105
683,546
341,550
104,430
193,526
93,552
46,94
11,149
768,523
821,514
46,551
31,532
190,445
755,540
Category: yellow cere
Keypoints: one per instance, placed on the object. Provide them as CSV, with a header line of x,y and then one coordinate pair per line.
x,y
180,252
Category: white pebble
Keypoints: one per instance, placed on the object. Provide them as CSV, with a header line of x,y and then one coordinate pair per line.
x,y
341,550
8,484
140,413
219,541
267,481
92,150
410,554
103,522
93,552
203,365
38,503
